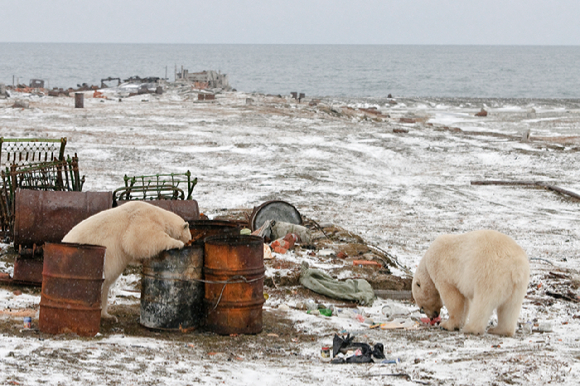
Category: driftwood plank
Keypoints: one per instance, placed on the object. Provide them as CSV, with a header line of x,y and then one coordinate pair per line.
x,y
539,184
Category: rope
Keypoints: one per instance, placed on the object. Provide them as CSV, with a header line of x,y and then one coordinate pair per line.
x,y
233,280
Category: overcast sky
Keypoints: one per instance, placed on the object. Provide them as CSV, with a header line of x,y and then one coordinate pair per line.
x,y
506,22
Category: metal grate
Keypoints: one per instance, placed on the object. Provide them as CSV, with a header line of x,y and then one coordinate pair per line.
x,y
22,151
173,186
58,175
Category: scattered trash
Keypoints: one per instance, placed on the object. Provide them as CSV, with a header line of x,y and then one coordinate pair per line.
x,y
27,322
284,307
281,229
21,104
325,352
392,310
276,210
351,289
366,263
267,252
347,351
391,361
403,323
545,327
482,113
527,328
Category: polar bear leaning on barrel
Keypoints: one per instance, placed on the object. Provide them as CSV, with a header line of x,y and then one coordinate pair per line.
x,y
132,231
473,274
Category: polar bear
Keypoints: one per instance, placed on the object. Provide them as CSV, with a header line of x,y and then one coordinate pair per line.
x,y
132,231
473,274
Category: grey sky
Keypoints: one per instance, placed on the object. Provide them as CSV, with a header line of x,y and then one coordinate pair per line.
x,y
513,22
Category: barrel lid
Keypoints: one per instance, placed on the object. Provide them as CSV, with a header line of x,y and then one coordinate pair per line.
x,y
276,210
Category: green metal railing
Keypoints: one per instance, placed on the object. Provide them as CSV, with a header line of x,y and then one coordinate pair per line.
x,y
172,186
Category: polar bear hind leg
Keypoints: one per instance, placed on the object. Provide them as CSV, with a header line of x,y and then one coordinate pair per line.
x,y
480,310
508,313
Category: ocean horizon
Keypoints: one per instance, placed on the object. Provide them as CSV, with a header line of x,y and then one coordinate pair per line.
x,y
318,70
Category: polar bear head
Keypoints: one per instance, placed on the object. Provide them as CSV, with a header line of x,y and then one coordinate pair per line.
x,y
425,293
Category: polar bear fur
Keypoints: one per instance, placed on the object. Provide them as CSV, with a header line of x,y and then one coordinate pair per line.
x,y
132,231
473,274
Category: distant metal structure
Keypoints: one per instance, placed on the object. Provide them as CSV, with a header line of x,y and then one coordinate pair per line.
x,y
109,79
36,83
205,79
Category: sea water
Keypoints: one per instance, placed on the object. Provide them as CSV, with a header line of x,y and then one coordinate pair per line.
x,y
316,70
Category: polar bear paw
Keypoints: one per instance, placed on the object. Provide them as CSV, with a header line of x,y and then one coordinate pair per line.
x,y
449,325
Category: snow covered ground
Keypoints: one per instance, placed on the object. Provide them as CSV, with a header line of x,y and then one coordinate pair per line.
x,y
337,164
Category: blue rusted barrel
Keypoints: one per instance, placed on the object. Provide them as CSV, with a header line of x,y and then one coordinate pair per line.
x,y
171,293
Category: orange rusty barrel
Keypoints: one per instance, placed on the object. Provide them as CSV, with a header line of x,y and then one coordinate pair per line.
x,y
188,210
72,281
47,216
201,229
234,287
172,290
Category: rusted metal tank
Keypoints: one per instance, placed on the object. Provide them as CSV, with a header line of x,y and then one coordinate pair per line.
x,y
276,210
234,288
47,216
201,229
171,290
28,271
72,281
79,100
186,209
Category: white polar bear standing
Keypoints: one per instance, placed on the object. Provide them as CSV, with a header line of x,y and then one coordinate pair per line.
x,y
473,274
132,231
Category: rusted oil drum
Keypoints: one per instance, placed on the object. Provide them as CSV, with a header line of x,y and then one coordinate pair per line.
x,y
171,290
47,216
201,229
186,209
28,270
234,288
276,210
72,281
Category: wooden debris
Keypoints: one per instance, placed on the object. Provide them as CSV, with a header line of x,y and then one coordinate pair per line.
x,y
539,184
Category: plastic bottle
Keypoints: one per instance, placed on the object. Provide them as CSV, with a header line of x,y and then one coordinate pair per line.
x,y
311,304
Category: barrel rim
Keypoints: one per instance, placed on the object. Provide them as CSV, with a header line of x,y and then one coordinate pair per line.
x,y
233,240
212,223
75,245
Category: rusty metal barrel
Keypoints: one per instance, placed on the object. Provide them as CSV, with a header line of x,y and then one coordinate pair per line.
x,y
201,229
47,216
79,100
234,287
171,290
72,282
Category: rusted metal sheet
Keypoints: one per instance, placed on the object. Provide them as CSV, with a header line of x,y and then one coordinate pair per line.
x,y
201,229
171,290
186,209
47,216
234,288
276,210
27,271
72,282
